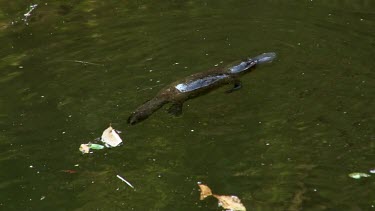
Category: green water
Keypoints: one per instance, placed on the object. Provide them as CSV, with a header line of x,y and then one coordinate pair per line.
x,y
286,141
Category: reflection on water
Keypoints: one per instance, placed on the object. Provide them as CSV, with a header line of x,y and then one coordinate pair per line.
x,y
286,141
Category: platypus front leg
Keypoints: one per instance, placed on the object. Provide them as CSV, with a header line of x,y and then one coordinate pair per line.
x,y
176,108
237,85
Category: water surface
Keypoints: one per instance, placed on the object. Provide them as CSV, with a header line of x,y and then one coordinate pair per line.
x,y
286,141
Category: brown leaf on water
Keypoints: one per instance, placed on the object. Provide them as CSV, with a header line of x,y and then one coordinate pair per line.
x,y
227,202
205,191
230,202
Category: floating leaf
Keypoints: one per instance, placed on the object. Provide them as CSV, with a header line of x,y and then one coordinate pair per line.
x,y
230,202
227,202
358,175
96,146
110,137
205,191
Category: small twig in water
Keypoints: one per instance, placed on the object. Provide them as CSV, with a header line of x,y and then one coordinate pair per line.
x,y
150,87
124,180
84,62
28,14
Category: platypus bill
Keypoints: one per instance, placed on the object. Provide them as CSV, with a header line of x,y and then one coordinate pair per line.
x,y
198,84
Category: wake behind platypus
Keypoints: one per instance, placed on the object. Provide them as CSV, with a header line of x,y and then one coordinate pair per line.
x,y
198,84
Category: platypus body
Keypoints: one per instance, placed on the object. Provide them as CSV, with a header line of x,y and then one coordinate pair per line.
x,y
198,84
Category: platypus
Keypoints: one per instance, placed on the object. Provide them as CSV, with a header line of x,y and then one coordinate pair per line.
x,y
198,84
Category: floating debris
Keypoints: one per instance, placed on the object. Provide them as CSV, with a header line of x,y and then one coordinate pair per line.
x,y
28,14
84,62
110,137
69,171
227,202
205,191
85,148
358,175
96,146
150,88
124,180
230,202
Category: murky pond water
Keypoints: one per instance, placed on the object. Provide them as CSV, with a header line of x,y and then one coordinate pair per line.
x,y
286,141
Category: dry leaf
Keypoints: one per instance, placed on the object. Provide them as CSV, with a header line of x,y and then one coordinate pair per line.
x,y
227,202
110,137
230,202
84,148
205,191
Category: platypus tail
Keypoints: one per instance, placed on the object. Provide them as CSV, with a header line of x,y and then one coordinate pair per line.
x,y
264,58
145,110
